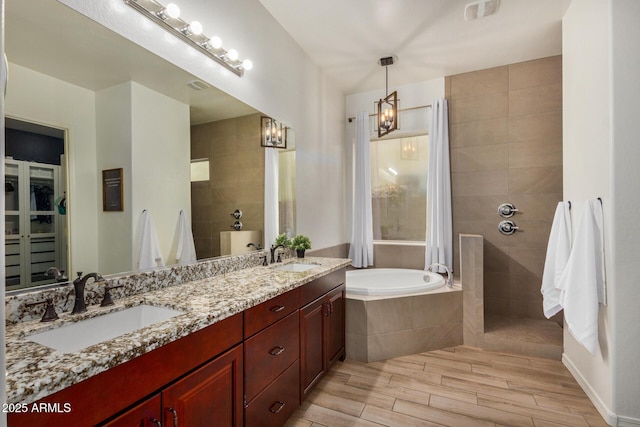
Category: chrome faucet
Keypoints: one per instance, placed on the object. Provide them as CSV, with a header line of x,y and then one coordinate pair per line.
x,y
79,284
56,273
273,253
449,278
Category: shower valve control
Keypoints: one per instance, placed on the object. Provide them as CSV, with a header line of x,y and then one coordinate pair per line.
x,y
507,227
507,210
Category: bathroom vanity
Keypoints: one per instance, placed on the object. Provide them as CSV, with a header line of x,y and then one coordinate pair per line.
x,y
248,348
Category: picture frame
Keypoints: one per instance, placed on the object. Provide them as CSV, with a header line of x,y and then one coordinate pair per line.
x,y
112,190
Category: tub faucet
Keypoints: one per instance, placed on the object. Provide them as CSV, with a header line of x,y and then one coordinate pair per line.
x,y
56,273
449,278
79,284
273,252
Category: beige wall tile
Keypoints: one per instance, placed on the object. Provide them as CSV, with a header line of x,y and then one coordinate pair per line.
x,y
480,82
535,206
436,309
527,259
494,305
484,132
434,338
531,234
470,208
490,106
497,284
387,346
389,315
534,100
538,72
356,347
538,180
522,155
496,258
486,157
545,126
486,183
355,316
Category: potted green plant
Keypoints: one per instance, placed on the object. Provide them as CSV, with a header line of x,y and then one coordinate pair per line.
x,y
283,240
300,243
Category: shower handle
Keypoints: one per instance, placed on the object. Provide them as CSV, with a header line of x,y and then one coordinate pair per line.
x,y
507,227
507,210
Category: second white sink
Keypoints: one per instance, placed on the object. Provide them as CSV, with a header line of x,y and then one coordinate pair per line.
x,y
85,333
296,266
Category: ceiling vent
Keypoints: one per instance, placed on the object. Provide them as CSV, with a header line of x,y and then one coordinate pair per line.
x,y
480,9
198,85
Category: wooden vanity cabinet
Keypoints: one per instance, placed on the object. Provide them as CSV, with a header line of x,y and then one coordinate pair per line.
x,y
208,397
271,362
321,337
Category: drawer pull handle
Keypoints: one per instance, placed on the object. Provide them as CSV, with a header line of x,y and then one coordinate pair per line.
x,y
175,416
279,405
156,422
277,350
277,308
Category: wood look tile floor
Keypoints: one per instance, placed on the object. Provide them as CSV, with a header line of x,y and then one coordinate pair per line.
x,y
460,386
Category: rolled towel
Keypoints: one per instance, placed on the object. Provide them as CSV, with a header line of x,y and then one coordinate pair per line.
x,y
558,250
186,252
150,254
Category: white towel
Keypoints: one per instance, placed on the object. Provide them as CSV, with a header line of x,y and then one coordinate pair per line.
x,y
582,281
150,255
186,253
558,250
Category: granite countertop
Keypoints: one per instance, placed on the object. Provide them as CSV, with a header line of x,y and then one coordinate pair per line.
x,y
35,371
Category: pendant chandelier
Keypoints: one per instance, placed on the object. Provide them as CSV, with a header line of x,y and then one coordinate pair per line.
x,y
387,106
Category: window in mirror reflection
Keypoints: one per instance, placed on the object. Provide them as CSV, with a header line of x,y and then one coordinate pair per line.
x,y
199,170
287,192
399,188
35,204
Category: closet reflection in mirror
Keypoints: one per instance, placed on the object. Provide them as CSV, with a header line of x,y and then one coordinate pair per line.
x,y
35,204
121,106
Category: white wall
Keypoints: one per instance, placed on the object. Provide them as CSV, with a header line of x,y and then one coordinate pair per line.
x,y
283,83
625,176
39,98
160,170
113,135
147,134
600,92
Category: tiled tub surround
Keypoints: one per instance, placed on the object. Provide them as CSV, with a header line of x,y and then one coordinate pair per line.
x,y
35,371
379,328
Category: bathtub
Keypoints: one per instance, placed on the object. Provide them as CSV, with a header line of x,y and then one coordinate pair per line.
x,y
392,312
392,281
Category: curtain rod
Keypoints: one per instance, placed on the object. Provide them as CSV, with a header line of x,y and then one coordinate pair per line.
x,y
401,109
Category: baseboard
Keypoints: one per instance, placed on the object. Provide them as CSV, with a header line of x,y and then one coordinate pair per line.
x,y
609,416
628,422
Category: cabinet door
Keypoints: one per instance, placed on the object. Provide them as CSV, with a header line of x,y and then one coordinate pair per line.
x,y
312,353
146,414
209,397
335,326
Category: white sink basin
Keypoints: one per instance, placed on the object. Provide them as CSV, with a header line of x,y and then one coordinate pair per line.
x,y
296,266
85,333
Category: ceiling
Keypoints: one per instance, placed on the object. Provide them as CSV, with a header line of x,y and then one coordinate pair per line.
x,y
430,37
43,35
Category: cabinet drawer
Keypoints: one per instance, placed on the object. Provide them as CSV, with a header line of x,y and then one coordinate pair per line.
x,y
262,315
269,353
320,286
277,402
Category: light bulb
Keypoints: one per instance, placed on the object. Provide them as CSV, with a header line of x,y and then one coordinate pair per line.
x,y
232,54
247,64
215,42
196,28
172,11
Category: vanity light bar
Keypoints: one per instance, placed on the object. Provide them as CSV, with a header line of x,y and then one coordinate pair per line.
x,y
168,18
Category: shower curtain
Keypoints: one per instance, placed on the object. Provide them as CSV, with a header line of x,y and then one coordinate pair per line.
x,y
271,219
361,249
439,222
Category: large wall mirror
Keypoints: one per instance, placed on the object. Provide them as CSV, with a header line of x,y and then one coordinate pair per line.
x,y
109,104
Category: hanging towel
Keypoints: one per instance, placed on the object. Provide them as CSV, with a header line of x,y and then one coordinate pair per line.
x,y
186,253
558,250
150,255
582,282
